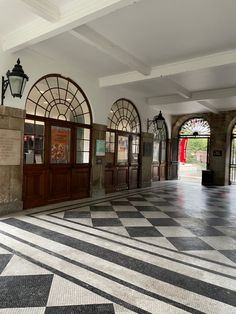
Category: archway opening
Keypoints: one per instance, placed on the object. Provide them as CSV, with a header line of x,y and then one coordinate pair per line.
x,y
194,137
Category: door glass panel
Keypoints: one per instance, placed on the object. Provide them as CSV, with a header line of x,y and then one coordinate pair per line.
x,y
156,147
135,148
123,148
163,151
110,148
34,142
60,145
82,145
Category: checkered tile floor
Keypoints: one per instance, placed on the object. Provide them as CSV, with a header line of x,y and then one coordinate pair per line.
x,y
190,218
166,249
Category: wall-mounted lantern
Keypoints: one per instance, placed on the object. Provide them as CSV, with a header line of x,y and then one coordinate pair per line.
x,y
158,122
16,79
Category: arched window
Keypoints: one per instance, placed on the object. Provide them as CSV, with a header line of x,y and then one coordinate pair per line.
x,y
55,97
58,97
195,127
124,116
122,146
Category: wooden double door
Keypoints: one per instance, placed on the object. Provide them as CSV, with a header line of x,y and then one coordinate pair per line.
x,y
159,164
56,162
122,161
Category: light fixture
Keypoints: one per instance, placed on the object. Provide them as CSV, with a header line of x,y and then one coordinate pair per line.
x,y
16,79
158,122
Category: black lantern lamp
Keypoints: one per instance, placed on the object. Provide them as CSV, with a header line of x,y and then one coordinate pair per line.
x,y
16,79
158,122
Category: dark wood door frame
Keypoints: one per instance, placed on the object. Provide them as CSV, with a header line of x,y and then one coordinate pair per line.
x,y
50,183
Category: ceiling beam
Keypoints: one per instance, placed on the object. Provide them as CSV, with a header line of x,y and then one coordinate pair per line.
x,y
180,90
74,14
44,8
195,96
87,34
204,62
208,106
183,92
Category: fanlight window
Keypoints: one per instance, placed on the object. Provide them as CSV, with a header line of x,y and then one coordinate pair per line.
x,y
58,97
124,117
195,127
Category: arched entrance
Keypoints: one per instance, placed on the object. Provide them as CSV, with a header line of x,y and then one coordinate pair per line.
x,y
122,147
57,140
232,171
159,164
194,135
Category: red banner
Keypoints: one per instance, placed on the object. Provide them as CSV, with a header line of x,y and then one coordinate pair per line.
x,y
183,148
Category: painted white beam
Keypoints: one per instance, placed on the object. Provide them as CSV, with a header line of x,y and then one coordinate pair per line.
x,y
180,90
207,61
74,14
208,106
195,96
44,8
87,34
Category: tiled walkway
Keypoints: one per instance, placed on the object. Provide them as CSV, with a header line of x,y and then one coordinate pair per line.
x,y
166,249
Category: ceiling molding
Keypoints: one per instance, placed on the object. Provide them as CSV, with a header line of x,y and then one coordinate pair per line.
x,y
207,61
87,34
195,96
43,8
81,12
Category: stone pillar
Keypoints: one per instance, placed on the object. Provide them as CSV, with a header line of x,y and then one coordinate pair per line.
x,y
146,156
217,149
98,162
11,159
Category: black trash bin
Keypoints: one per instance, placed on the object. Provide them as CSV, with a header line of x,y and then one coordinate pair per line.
x,y
207,177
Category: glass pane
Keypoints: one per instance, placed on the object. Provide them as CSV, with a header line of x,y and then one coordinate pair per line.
x,y
163,151
60,145
156,147
29,157
86,134
54,113
40,111
29,127
83,145
39,128
123,144
82,157
30,107
83,133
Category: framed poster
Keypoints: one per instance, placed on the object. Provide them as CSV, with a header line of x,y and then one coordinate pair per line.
x,y
60,145
100,147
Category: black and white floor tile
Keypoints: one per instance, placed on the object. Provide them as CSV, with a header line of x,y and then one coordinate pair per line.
x,y
166,249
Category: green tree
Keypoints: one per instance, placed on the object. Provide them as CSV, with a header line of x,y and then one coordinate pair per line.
x,y
194,145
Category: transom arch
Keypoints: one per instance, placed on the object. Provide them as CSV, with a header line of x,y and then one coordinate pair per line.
x,y
124,116
57,97
195,127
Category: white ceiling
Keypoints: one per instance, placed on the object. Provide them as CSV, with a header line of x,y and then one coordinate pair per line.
x,y
180,55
